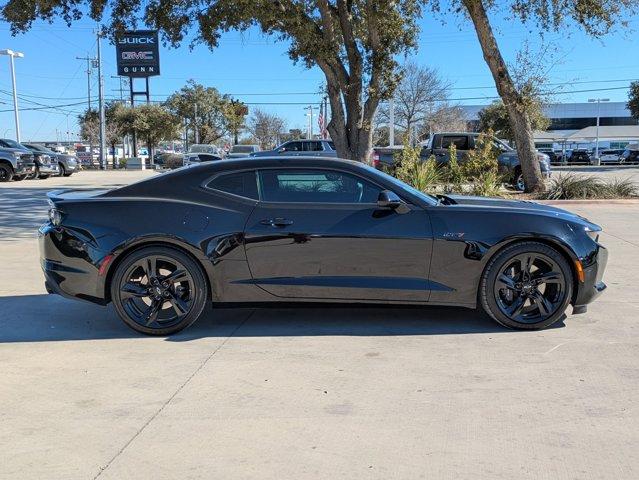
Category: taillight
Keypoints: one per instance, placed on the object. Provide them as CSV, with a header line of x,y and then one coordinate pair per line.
x,y
375,159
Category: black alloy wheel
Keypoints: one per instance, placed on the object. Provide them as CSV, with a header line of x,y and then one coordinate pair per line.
x,y
528,285
6,173
158,290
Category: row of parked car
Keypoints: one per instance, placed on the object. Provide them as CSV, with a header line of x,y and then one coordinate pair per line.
x,y
20,161
382,158
629,155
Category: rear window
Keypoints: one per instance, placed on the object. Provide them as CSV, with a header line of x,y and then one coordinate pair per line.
x,y
460,141
243,184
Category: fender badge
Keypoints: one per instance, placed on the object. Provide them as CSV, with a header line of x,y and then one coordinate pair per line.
x,y
453,235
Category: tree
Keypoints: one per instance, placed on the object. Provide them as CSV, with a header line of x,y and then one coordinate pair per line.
x,y
445,118
415,98
204,107
633,100
354,42
89,122
265,127
151,122
235,118
495,117
596,17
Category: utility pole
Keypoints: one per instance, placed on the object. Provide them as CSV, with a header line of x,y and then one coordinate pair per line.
x,y
310,121
12,54
101,105
598,102
89,60
195,129
391,122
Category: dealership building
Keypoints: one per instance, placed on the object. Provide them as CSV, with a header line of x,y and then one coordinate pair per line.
x,y
573,125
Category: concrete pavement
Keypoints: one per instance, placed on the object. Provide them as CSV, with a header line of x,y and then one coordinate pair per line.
x,y
340,392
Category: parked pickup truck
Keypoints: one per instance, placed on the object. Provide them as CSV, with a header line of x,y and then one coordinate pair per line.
x,y
15,164
439,144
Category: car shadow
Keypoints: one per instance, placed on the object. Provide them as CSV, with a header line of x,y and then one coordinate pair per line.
x,y
47,318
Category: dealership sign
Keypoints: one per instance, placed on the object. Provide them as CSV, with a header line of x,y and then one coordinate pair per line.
x,y
138,53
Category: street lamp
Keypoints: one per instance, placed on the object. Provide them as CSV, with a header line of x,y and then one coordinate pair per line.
x,y
598,102
13,54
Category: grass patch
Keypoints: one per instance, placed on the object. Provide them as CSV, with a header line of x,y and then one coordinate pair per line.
x,y
575,187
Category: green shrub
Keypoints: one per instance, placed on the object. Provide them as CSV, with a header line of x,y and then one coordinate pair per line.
x,y
173,160
411,169
482,159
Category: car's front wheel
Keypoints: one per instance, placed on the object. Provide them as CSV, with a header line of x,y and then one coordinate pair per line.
x,y
527,285
6,173
159,290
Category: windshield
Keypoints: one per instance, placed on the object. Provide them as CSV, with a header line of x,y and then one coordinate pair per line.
x,y
13,144
499,144
431,200
242,149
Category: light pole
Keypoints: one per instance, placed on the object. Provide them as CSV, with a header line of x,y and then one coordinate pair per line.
x,y
13,54
598,102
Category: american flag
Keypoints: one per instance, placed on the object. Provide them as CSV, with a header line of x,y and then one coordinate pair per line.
x,y
322,122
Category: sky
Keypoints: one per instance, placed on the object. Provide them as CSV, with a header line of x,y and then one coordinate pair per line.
x,y
256,69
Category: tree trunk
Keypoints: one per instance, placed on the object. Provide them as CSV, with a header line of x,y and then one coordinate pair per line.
x,y
517,114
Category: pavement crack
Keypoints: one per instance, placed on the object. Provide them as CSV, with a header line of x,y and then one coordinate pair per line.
x,y
178,390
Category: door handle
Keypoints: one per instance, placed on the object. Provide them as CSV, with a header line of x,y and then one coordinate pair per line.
x,y
277,222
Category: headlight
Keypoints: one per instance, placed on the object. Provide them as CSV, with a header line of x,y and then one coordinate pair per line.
x,y
55,216
593,233
17,154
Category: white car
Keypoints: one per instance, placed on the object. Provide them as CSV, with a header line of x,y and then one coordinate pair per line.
x,y
610,156
202,153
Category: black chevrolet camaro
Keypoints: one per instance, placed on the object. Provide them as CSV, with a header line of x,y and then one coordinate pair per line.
x,y
312,230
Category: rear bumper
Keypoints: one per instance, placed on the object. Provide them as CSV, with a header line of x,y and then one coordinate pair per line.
x,y
593,284
70,265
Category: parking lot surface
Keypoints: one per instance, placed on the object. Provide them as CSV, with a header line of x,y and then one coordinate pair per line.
x,y
339,392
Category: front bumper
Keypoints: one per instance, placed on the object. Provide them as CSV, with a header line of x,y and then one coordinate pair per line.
x,y
70,264
49,169
593,284
25,169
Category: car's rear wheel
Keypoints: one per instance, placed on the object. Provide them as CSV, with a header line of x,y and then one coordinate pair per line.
x,y
158,290
527,285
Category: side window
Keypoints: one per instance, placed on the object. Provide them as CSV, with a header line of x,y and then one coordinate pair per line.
x,y
315,146
331,145
315,186
294,147
460,141
243,184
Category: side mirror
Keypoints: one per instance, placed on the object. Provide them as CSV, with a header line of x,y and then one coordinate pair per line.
x,y
388,199
281,149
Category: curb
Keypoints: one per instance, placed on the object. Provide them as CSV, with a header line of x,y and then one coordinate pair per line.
x,y
619,201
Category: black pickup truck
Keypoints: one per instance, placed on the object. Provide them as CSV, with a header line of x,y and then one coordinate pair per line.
x,y
439,144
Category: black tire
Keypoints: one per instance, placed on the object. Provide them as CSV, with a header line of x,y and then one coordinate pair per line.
x,y
526,301
43,177
167,301
6,173
19,178
518,180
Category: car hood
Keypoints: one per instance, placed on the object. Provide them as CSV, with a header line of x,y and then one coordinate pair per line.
x,y
527,206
